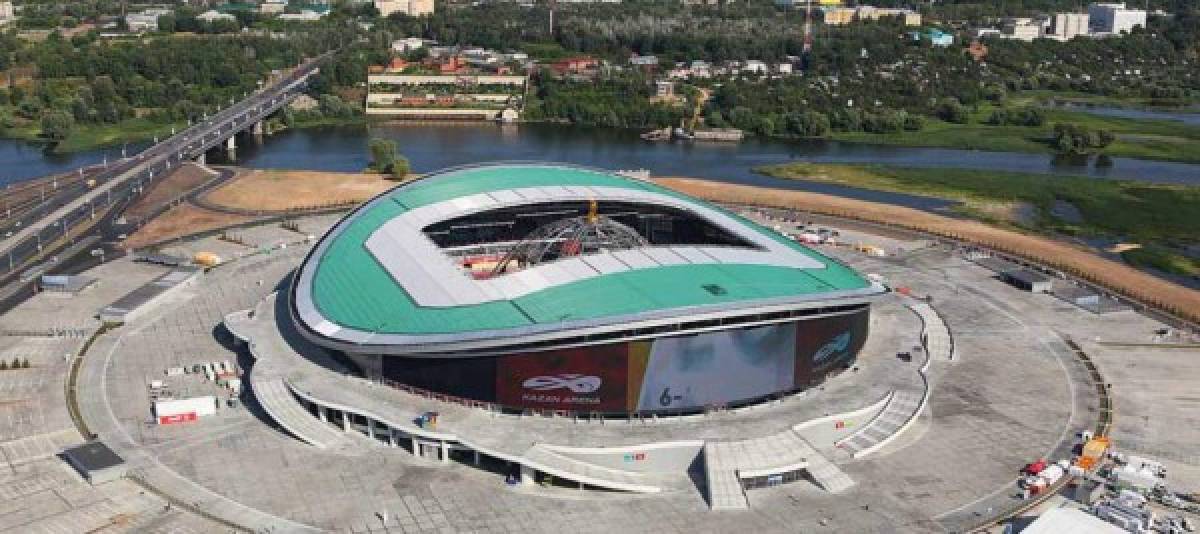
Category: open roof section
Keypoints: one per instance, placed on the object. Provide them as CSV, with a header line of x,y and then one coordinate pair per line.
x,y
370,282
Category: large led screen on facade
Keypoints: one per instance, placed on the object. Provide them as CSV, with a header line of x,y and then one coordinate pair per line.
x,y
680,373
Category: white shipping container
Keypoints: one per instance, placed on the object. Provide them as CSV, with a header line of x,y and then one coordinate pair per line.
x,y
201,406
175,371
1051,474
157,384
208,372
235,385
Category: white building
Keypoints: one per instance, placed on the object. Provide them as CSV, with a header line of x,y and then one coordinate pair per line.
x,y
212,16
1022,29
7,14
412,8
306,15
407,44
1114,18
272,7
643,61
146,21
755,66
1067,26
141,23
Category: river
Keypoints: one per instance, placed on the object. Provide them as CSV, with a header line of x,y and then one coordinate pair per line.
x,y
1191,118
431,146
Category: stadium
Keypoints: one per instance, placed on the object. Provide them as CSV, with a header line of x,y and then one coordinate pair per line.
x,y
553,287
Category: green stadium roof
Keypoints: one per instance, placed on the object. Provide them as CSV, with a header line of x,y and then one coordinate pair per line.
x,y
350,288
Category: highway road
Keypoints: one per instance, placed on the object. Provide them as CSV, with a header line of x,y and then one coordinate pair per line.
x,y
127,178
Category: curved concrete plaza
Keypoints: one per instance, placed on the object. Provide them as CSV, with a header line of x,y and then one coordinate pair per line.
x,y
930,443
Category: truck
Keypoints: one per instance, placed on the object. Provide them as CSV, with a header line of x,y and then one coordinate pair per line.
x,y
1034,468
172,411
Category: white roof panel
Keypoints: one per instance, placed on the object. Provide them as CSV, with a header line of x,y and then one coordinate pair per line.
x,y
433,279
604,263
635,259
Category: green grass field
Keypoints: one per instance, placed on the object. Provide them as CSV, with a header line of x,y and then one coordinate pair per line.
x,y
1136,138
1163,259
92,136
1164,219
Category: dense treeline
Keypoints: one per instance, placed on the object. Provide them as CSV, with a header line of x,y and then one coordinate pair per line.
x,y
861,77
619,102
86,80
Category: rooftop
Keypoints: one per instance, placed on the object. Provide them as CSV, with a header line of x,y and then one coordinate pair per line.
x,y
377,272
93,456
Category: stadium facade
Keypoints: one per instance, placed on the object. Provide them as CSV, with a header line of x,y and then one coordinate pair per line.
x,y
553,287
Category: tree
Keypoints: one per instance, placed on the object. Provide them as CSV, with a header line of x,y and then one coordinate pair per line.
x,y
383,154
166,23
913,122
807,124
400,168
57,125
950,109
1076,139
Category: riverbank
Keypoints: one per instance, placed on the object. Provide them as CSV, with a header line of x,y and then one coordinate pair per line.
x,y
85,137
1063,256
1150,139
1161,218
1042,96
88,136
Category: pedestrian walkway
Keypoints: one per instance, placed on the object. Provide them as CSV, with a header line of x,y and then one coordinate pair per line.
x,y
269,385
727,463
906,405
935,334
548,461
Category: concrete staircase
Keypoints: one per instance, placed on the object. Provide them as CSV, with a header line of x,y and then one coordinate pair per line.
x,y
900,409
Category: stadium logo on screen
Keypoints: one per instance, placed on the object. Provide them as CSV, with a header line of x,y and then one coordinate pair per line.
x,y
574,382
835,346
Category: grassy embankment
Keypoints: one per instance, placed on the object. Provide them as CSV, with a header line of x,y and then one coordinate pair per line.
x,y
1046,95
93,136
1161,218
1136,138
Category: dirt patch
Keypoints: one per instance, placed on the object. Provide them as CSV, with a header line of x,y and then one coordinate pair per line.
x,y
1067,258
278,190
180,221
180,181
